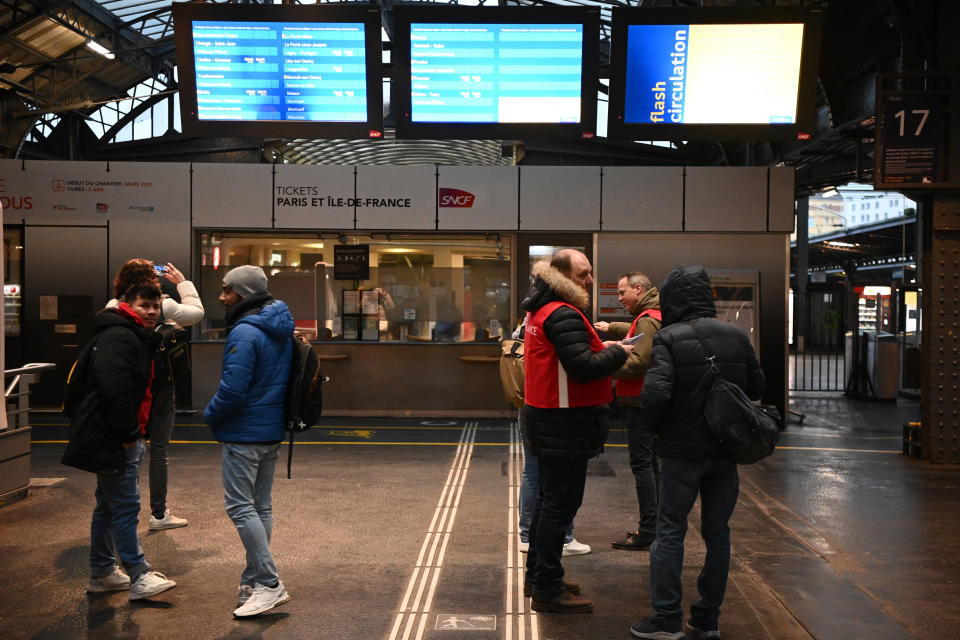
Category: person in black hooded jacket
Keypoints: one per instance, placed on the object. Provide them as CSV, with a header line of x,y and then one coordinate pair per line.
x,y
692,460
122,372
567,387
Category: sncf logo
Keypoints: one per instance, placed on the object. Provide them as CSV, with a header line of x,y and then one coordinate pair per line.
x,y
456,198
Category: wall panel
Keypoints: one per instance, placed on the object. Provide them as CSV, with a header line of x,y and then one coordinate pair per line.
x,y
726,199
313,196
396,197
782,206
490,191
232,195
559,198
642,198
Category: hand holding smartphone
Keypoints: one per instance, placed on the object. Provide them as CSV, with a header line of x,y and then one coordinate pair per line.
x,y
632,339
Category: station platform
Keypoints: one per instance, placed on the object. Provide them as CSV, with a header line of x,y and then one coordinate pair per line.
x,y
403,529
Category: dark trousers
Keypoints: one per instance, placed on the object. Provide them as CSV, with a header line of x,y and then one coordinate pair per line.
x,y
159,428
717,483
645,467
562,482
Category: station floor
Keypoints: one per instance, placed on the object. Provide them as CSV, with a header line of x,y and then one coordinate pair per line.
x,y
401,529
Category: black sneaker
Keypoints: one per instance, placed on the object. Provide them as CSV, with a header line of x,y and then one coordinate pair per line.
x,y
704,629
653,629
572,587
564,602
635,541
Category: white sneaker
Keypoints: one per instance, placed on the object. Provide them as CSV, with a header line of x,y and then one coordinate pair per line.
x,y
243,594
574,548
150,584
116,581
168,521
262,599
524,546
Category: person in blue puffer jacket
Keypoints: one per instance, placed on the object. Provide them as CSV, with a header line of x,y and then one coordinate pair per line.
x,y
247,415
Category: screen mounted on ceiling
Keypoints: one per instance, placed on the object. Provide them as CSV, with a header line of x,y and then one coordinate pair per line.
x,y
718,73
478,72
285,71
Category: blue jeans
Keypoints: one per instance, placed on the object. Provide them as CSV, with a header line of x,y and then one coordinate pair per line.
x,y
529,492
113,528
247,485
681,480
159,428
645,467
562,481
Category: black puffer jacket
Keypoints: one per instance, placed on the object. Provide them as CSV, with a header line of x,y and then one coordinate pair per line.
x,y
678,379
577,432
121,370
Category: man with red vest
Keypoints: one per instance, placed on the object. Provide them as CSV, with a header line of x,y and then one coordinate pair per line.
x,y
566,391
642,300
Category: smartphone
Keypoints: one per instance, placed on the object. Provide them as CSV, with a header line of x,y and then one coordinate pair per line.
x,y
160,269
631,339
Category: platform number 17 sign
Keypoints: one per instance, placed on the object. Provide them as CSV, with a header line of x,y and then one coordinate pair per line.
x,y
910,135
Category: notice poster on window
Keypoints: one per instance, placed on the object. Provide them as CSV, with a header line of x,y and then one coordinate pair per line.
x,y
370,328
608,300
370,303
351,302
736,304
351,328
713,73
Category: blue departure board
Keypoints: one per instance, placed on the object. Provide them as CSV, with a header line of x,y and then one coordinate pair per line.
x,y
280,71
496,72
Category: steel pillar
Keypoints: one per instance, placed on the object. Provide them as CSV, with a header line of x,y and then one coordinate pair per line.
x,y
941,336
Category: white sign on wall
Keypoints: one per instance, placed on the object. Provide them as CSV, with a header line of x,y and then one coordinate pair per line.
x,y
483,198
391,197
313,196
91,193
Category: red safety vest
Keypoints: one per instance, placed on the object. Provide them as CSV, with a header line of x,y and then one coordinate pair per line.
x,y
633,386
546,385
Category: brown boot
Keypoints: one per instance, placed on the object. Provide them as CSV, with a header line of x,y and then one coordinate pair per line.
x,y
572,587
564,602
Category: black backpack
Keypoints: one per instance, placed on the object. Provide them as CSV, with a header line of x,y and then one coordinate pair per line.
x,y
304,401
747,431
173,352
91,446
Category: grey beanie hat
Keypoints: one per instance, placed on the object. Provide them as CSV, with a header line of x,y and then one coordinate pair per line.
x,y
246,280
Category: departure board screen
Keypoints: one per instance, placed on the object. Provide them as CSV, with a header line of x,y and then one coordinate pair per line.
x,y
285,71
519,73
496,73
279,71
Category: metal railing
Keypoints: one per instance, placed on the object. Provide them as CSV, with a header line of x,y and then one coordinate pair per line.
x,y
18,388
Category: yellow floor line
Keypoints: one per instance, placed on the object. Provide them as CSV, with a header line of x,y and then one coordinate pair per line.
x,y
842,450
476,444
368,427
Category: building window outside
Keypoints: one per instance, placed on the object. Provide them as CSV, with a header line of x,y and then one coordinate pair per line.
x,y
451,288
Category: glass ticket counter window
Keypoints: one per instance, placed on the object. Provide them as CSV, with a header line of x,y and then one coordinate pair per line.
x,y
12,280
420,288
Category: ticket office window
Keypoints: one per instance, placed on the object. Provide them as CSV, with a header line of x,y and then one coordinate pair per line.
x,y
452,288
